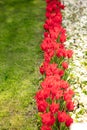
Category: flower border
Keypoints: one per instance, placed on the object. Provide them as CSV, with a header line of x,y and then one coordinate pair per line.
x,y
54,99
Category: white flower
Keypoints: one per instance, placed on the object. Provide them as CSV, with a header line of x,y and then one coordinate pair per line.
x,y
75,21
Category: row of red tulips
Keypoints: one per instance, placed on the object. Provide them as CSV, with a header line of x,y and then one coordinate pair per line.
x,y
54,99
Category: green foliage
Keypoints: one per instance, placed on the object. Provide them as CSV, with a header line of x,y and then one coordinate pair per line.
x,y
20,36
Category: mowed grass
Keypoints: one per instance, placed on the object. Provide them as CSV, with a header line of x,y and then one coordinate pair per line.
x,y
21,32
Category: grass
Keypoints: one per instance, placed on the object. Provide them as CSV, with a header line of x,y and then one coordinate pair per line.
x,y
20,56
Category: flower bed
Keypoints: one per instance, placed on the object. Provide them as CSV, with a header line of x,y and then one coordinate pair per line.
x,y
54,99
75,22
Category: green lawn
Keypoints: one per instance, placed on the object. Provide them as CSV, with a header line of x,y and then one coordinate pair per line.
x,y
21,33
